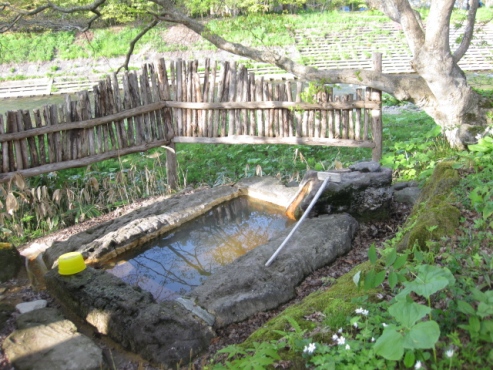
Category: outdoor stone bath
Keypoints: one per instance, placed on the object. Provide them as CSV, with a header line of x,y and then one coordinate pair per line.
x,y
169,332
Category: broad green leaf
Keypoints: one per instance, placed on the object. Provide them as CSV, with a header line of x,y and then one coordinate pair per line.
x,y
423,335
390,345
484,309
488,210
400,261
390,259
408,313
486,332
409,359
430,279
370,280
474,325
379,278
372,254
466,308
393,279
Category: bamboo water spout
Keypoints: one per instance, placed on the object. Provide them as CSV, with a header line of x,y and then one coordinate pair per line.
x,y
326,176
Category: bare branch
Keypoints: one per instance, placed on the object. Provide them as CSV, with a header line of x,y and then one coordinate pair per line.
x,y
400,11
130,51
19,14
468,31
393,84
438,25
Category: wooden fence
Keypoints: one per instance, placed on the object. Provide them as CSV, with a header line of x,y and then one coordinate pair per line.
x,y
183,102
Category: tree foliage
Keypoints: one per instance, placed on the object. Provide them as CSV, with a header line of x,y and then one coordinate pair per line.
x,y
439,85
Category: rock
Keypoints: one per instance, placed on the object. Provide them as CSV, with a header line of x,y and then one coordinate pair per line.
x,y
409,195
45,340
364,195
246,286
370,166
10,261
163,333
31,306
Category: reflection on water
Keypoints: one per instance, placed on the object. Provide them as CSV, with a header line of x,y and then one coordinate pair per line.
x,y
176,263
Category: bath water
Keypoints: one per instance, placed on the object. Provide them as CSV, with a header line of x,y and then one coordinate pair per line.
x,y
175,263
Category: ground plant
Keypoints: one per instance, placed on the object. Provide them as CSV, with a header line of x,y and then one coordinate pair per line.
x,y
434,306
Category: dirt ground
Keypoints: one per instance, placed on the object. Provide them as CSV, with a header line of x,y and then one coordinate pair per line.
x,y
19,290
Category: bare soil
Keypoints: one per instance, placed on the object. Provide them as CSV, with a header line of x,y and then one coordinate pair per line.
x,y
19,290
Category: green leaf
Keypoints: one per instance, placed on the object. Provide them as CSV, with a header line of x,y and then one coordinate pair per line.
x,y
400,261
379,278
466,308
486,332
356,278
430,279
391,257
390,345
372,254
408,313
484,309
474,325
409,359
393,279
423,335
488,210
370,280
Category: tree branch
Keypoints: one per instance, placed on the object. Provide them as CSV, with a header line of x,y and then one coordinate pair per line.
x,y
396,85
400,11
468,31
19,14
438,25
130,51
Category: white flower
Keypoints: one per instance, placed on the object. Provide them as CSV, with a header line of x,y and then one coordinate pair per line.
x,y
309,348
335,337
341,341
417,365
361,311
449,353
340,330
347,346
355,325
372,339
384,325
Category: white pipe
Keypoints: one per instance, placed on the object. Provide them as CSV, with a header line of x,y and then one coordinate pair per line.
x,y
312,203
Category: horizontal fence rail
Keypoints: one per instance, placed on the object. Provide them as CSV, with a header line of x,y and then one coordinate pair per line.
x,y
218,102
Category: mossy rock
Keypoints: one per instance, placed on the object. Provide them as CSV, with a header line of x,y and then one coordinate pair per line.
x,y
335,303
434,215
10,261
441,221
439,186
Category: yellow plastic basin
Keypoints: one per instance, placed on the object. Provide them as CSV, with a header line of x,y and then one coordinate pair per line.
x,y
71,263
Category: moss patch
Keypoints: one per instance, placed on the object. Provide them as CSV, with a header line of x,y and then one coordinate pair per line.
x,y
434,216
335,303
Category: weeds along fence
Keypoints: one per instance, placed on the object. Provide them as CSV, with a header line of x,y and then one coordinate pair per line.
x,y
182,102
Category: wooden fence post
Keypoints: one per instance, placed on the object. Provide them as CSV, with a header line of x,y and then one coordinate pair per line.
x,y
171,166
376,114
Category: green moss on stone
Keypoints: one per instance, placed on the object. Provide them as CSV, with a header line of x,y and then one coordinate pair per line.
x,y
434,216
335,303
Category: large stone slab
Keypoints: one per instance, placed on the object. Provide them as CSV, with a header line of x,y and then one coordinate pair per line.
x,y
165,333
246,286
45,340
109,239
